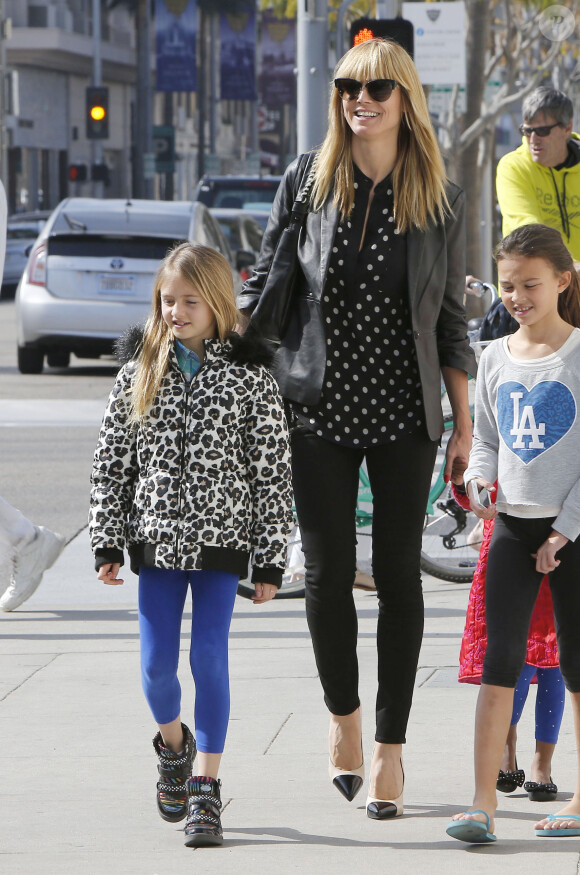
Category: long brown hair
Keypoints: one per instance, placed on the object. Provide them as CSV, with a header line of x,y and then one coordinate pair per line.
x,y
540,241
211,276
419,174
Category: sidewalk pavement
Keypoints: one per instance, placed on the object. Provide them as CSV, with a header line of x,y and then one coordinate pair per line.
x,y
78,768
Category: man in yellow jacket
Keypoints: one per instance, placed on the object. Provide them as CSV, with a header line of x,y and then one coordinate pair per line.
x,y
540,180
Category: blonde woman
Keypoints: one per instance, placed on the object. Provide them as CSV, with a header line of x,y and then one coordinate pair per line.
x,y
376,316
192,476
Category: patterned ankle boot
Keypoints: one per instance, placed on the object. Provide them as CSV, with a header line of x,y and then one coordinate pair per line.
x,y
203,826
174,770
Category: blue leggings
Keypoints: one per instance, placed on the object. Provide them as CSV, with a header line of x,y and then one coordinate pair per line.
x,y
162,597
549,701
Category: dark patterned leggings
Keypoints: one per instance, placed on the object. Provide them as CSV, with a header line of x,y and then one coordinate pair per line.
x,y
511,588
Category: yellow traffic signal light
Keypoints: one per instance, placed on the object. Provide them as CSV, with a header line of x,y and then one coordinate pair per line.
x,y
97,112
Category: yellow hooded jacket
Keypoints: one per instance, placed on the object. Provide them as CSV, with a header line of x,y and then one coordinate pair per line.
x,y
528,192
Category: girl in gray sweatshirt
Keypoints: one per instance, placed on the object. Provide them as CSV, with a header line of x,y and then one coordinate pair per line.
x,y
527,435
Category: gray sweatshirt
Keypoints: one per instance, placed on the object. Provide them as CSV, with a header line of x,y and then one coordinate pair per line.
x,y
527,432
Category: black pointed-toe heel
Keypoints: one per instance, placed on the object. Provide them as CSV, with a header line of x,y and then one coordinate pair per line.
x,y
347,781
384,809
538,792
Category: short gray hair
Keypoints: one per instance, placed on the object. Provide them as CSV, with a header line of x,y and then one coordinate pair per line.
x,y
550,101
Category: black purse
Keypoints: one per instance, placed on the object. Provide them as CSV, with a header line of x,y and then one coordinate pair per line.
x,y
271,315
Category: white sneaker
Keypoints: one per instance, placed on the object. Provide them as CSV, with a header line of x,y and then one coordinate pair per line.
x,y
30,563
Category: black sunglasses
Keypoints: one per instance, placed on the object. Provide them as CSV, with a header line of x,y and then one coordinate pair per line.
x,y
540,131
377,89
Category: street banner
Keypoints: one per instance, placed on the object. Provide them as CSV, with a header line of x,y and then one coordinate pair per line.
x,y
238,55
175,36
278,80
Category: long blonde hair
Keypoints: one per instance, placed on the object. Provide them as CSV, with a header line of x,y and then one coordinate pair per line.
x,y
419,174
211,276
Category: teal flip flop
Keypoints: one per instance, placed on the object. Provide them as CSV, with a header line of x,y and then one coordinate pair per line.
x,y
572,831
473,831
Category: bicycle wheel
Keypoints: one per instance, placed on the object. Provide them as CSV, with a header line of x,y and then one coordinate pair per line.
x,y
451,535
293,579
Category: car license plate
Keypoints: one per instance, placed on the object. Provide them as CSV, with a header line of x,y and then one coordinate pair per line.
x,y
114,283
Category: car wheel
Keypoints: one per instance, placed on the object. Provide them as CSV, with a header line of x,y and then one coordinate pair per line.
x,y
58,358
30,360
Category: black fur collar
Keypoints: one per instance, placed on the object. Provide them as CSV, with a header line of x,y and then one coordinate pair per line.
x,y
127,345
250,349
246,349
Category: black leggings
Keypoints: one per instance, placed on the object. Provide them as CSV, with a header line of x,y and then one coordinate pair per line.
x,y
511,589
325,480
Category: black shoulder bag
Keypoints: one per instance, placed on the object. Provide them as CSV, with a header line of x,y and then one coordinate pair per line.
x,y
271,315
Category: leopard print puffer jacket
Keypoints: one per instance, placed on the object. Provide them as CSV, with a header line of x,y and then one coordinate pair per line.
x,y
203,483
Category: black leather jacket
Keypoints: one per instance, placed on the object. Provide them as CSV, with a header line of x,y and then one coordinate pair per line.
x,y
436,274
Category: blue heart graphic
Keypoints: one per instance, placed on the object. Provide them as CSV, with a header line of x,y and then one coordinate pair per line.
x,y
530,422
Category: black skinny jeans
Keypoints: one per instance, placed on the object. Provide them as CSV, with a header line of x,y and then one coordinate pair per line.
x,y
325,479
511,589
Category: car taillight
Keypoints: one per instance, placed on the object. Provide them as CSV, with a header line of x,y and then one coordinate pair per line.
x,y
37,269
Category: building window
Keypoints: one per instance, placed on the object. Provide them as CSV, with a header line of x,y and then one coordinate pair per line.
x,y
37,16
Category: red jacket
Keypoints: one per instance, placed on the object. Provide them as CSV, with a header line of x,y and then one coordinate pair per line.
x,y
542,648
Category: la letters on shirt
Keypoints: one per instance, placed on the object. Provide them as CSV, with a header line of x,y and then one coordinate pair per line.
x,y
527,432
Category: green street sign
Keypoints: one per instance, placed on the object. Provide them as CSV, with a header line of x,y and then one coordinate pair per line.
x,y
164,148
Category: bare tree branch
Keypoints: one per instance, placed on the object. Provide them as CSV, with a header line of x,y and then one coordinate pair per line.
x,y
499,106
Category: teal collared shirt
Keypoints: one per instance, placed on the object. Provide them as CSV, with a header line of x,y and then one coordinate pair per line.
x,y
187,360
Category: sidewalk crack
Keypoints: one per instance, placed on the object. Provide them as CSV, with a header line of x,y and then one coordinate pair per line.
x,y
278,732
31,675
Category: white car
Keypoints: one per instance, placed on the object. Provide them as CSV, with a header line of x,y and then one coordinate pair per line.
x,y
252,194
242,232
22,229
90,273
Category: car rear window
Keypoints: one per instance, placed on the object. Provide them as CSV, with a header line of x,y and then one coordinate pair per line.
x,y
231,231
240,198
238,193
154,248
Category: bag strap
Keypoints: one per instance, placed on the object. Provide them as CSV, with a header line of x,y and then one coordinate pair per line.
x,y
302,202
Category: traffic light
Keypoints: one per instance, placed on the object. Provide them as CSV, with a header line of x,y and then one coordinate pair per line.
x,y
100,173
77,172
398,29
97,112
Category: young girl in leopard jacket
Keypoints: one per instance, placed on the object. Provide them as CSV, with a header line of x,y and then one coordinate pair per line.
x,y
191,475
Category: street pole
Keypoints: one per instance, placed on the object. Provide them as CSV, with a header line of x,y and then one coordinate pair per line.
x,y
213,81
201,95
143,108
97,150
387,8
3,98
168,119
312,65
340,49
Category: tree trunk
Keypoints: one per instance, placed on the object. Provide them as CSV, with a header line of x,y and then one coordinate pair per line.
x,y
470,169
